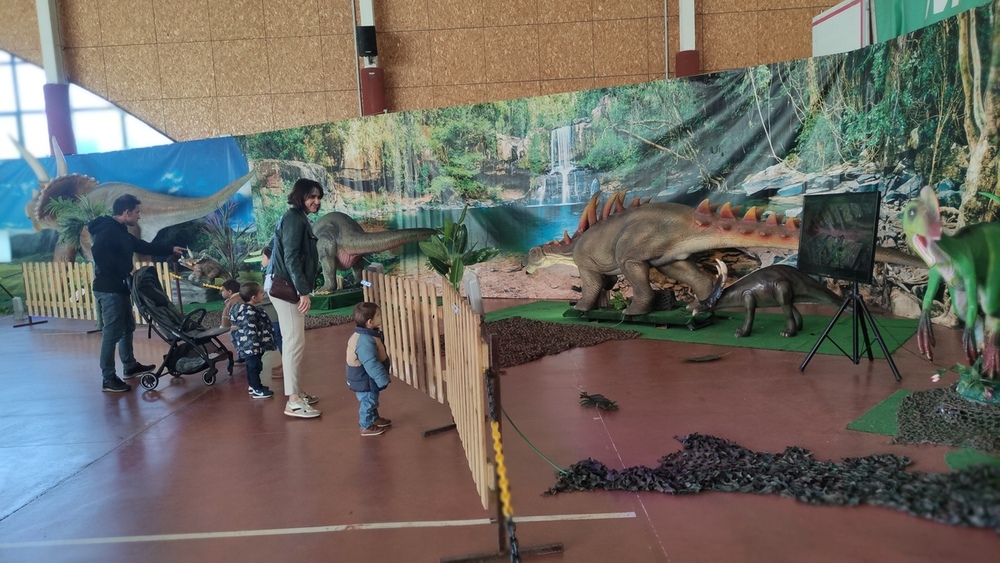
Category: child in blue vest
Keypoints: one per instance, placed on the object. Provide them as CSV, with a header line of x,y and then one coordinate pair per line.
x,y
368,367
252,336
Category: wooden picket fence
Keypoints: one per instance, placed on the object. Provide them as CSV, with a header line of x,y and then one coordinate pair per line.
x,y
64,290
418,332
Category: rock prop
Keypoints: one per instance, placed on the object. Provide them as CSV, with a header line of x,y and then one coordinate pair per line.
x,y
969,497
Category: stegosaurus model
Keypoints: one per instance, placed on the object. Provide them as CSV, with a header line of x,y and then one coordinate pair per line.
x,y
969,264
778,285
660,235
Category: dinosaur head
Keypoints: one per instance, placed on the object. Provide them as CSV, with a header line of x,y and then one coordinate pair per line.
x,y
922,223
549,254
709,302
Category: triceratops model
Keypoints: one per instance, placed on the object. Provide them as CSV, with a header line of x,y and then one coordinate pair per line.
x,y
202,267
969,264
778,285
342,242
663,236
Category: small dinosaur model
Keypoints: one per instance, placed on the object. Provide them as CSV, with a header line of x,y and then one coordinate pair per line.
x,y
630,241
342,242
202,267
774,286
968,262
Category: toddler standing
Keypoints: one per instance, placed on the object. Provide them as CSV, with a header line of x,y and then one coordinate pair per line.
x,y
368,367
252,336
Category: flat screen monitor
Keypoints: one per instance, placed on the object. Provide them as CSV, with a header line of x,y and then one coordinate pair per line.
x,y
838,235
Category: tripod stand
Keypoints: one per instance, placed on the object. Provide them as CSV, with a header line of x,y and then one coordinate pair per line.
x,y
860,316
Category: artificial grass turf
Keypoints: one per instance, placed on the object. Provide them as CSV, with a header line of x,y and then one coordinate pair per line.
x,y
765,335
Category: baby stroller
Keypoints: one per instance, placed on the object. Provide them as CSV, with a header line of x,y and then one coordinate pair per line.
x,y
193,348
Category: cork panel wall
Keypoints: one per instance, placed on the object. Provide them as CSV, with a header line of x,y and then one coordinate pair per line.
x,y
241,115
80,23
181,20
342,105
784,35
191,118
729,40
406,57
622,9
400,15
339,62
236,19
85,67
291,18
566,50
512,12
296,110
445,14
512,54
295,64
620,47
186,70
512,90
458,56
241,67
150,112
251,50
552,11
133,73
127,22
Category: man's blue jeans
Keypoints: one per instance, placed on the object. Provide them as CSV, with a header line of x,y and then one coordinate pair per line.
x,y
119,324
368,411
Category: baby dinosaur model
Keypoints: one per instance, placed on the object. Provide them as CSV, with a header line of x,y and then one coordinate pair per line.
x,y
342,242
630,241
774,286
969,264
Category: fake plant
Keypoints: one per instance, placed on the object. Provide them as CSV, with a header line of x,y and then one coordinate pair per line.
x,y
448,251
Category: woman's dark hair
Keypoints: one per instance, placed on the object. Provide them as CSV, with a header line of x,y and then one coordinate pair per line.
x,y
302,188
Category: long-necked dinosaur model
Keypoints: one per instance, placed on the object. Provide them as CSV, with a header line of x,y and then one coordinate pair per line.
x,y
159,210
342,242
969,264
630,241
778,285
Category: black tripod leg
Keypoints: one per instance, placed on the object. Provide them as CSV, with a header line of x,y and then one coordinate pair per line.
x,y
829,327
865,320
878,337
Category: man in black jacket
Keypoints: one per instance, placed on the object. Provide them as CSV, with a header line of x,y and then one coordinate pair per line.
x,y
113,247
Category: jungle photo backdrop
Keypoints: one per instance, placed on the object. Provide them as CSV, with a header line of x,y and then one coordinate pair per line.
x,y
921,109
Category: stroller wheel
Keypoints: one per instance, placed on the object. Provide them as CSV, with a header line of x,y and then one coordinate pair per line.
x,y
148,381
209,377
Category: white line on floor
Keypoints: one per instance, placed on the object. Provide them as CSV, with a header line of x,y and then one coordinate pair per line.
x,y
313,530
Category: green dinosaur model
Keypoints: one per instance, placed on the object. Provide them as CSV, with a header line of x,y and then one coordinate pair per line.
x,y
630,241
778,285
969,264
342,242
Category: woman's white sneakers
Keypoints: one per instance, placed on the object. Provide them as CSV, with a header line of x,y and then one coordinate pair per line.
x,y
301,409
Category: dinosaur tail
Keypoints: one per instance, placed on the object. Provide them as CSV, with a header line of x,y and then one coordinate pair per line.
x,y
384,240
893,256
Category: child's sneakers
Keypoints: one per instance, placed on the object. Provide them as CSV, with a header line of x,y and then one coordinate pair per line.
x,y
382,422
261,393
300,409
373,430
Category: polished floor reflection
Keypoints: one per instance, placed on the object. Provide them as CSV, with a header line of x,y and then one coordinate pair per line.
x,y
195,473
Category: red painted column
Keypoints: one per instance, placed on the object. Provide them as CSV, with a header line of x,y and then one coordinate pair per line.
x,y
688,63
59,116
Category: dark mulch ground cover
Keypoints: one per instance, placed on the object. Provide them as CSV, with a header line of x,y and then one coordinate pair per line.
x,y
523,340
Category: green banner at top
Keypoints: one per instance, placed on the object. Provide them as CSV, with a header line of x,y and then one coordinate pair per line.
x,y
899,17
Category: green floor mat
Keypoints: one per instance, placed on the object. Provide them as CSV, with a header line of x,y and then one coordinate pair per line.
x,y
880,419
766,329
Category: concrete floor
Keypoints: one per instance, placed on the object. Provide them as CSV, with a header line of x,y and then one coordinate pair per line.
x,y
195,473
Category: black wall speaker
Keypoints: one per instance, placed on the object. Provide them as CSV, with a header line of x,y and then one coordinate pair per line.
x,y
367,46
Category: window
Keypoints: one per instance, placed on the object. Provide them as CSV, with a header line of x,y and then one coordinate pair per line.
x,y
99,125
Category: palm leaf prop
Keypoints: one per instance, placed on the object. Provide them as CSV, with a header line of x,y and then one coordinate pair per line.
x,y
596,400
